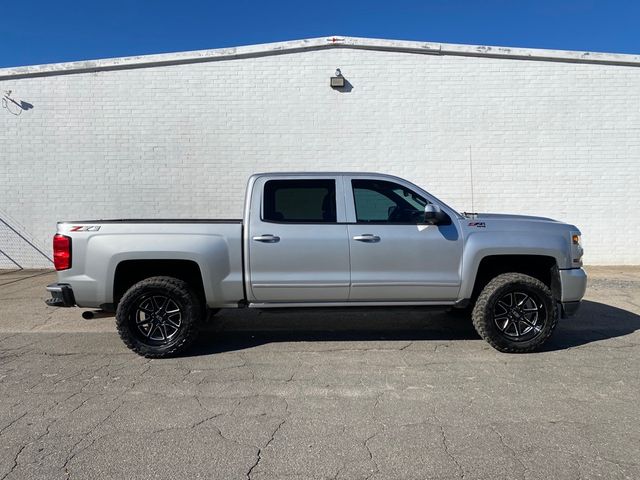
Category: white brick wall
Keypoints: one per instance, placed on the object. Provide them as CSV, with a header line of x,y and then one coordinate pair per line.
x,y
548,138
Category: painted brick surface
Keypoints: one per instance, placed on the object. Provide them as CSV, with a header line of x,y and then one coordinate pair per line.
x,y
556,139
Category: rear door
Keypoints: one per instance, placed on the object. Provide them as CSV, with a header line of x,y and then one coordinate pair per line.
x,y
298,247
394,255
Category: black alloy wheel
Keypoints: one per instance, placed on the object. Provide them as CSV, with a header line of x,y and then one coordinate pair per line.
x,y
159,317
515,313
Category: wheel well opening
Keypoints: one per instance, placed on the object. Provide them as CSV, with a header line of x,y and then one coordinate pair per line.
x,y
542,267
130,272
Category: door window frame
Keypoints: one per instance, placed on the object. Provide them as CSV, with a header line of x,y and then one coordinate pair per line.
x,y
381,222
258,203
351,206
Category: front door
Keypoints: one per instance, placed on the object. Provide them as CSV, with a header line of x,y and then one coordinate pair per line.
x,y
298,248
394,256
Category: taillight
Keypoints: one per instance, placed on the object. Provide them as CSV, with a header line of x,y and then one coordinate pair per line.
x,y
61,252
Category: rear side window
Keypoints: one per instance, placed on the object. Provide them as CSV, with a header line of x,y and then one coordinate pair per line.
x,y
300,201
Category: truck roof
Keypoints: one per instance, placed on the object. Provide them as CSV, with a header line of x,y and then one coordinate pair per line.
x,y
320,173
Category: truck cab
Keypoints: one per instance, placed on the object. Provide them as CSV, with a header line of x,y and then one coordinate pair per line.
x,y
348,238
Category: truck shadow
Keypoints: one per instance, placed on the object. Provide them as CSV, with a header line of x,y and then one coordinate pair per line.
x,y
242,329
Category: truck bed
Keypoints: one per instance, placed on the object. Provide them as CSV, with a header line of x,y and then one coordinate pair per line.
x,y
155,220
100,248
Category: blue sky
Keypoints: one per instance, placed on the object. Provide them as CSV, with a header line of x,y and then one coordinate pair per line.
x,y
45,31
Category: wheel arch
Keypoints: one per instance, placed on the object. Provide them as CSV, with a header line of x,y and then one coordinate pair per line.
x,y
521,251
539,266
129,272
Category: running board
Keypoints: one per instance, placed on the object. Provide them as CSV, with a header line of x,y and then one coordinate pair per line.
x,y
440,303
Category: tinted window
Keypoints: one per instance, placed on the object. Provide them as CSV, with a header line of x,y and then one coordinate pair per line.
x,y
300,201
388,202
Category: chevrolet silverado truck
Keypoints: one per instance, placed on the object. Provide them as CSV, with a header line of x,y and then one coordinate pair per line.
x,y
323,240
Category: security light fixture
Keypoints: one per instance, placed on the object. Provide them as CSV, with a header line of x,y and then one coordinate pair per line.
x,y
338,80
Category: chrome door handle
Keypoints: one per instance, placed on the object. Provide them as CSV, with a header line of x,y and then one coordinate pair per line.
x,y
367,237
267,238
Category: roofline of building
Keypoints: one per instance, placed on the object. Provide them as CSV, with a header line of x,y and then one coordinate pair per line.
x,y
291,46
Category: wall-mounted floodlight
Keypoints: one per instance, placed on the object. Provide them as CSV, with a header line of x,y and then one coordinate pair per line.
x,y
338,80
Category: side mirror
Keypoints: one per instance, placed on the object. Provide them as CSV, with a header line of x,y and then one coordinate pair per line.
x,y
433,214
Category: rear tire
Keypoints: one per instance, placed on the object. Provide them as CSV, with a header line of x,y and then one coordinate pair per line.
x,y
515,313
159,317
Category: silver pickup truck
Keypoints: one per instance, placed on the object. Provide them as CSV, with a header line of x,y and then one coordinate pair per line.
x,y
323,240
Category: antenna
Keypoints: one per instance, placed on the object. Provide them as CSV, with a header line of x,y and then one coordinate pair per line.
x,y
471,174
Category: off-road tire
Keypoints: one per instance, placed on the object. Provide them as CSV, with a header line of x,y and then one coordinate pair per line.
x,y
484,311
179,292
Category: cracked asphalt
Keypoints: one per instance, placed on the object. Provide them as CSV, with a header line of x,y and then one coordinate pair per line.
x,y
407,394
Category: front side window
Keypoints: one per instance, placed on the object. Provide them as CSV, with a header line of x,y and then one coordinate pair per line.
x,y
379,201
300,201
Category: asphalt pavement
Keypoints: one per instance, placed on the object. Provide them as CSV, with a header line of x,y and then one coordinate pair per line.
x,y
362,394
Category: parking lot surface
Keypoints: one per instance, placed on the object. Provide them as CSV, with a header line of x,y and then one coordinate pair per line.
x,y
407,394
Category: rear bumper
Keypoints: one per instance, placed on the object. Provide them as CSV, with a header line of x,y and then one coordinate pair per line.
x,y
61,295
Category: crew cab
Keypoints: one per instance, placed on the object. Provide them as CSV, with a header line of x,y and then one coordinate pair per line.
x,y
323,240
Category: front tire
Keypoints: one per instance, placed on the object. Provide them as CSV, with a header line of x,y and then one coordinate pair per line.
x,y
515,313
159,317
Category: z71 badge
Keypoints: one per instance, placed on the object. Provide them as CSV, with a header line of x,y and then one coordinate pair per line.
x,y
477,224
85,228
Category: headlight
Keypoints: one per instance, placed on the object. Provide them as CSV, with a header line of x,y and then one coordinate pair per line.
x,y
576,249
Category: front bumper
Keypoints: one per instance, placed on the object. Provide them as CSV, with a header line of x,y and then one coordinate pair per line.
x,y
569,309
61,295
573,285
